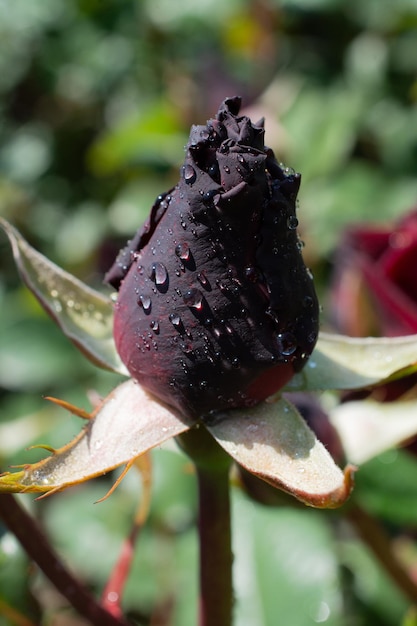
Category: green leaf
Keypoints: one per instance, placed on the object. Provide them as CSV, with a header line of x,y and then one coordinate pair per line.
x,y
340,362
126,424
83,314
273,442
387,487
276,552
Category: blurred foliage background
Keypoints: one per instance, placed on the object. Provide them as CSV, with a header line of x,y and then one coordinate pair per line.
x,y
96,101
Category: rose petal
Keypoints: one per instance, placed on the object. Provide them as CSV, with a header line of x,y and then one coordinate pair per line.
x,y
84,315
128,423
340,362
274,443
368,428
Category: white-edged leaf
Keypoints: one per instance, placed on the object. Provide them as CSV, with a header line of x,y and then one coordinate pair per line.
x,y
368,428
273,442
84,315
340,362
128,423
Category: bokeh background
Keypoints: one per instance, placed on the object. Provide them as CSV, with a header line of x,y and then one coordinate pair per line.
x,y
96,101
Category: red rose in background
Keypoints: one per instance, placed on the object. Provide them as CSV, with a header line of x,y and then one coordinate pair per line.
x,y
216,308
374,290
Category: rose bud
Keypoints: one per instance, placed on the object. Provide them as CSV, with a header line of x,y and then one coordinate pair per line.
x,y
216,308
374,289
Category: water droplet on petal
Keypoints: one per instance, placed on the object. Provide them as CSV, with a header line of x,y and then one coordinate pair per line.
x,y
252,274
241,158
182,250
145,302
189,174
203,280
226,169
292,222
214,170
175,320
287,343
158,273
193,298
154,326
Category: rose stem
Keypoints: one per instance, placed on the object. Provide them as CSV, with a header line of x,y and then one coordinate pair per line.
x,y
36,545
377,540
212,467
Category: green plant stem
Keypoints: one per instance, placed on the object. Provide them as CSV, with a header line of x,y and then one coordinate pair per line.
x,y
212,467
375,537
38,548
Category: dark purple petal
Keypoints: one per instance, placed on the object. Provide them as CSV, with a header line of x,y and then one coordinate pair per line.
x,y
216,308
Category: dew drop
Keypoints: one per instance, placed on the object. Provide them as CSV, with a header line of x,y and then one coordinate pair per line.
x,y
182,250
226,169
145,302
292,222
203,280
193,298
214,170
186,347
287,343
241,158
189,174
158,273
175,319
252,274
308,302
154,326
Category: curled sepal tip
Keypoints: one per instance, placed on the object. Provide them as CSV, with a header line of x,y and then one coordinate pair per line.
x,y
273,442
118,433
84,315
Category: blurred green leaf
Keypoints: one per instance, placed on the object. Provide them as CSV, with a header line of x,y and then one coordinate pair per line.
x,y
152,137
387,487
285,567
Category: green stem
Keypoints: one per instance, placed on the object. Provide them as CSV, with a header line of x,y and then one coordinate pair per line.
x,y
212,467
38,548
375,537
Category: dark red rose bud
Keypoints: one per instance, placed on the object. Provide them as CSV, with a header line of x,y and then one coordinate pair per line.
x,y
216,308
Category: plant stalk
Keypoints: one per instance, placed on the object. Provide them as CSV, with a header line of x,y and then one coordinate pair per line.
x,y
38,548
214,527
375,537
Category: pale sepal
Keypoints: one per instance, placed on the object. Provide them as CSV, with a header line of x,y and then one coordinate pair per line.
x,y
128,423
84,315
368,428
273,442
340,362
